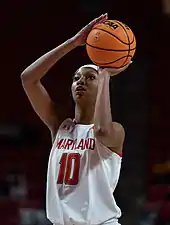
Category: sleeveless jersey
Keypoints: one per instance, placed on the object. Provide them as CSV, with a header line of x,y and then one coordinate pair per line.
x,y
81,178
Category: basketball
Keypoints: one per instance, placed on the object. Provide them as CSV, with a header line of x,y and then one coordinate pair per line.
x,y
111,44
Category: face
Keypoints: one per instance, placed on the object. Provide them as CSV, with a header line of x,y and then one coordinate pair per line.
x,y
85,85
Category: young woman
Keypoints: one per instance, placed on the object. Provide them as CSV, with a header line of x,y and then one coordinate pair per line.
x,y
85,159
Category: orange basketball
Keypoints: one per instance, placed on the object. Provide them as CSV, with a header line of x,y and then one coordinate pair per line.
x,y
111,44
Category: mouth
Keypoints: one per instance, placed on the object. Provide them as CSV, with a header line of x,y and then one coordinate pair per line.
x,y
80,89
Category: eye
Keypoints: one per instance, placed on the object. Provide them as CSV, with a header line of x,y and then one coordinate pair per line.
x,y
91,77
76,78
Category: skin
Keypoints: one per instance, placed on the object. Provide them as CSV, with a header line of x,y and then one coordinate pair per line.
x,y
85,107
85,100
31,77
91,105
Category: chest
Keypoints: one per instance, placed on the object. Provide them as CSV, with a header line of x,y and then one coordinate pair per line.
x,y
71,154
76,141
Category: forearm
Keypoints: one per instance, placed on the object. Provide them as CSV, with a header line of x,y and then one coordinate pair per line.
x,y
102,116
41,66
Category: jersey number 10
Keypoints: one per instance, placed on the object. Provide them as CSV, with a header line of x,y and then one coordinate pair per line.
x,y
69,169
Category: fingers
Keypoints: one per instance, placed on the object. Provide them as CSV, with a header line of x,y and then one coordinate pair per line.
x,y
125,67
117,71
102,17
99,19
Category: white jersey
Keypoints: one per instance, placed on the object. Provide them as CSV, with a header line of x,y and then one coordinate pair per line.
x,y
82,176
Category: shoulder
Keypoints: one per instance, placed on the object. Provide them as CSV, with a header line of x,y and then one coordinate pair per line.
x,y
117,134
118,137
113,138
118,128
67,124
111,130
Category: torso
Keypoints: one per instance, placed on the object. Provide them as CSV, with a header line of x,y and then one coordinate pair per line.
x,y
82,176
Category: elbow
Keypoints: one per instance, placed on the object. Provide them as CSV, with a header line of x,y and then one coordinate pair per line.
x,y
24,80
27,78
23,76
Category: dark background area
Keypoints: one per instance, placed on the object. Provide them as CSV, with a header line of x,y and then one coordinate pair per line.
x,y
139,99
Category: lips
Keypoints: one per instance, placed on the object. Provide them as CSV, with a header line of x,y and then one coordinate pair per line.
x,y
80,88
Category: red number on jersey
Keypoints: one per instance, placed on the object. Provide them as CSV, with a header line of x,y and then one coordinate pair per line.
x,y
69,169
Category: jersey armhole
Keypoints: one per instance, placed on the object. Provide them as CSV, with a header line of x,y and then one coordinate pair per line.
x,y
111,153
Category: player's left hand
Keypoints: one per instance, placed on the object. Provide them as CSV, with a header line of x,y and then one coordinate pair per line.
x,y
113,72
80,38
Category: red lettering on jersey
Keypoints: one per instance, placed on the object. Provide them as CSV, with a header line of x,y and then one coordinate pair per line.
x,y
69,142
59,142
63,143
62,168
86,144
69,169
91,144
74,144
74,179
80,144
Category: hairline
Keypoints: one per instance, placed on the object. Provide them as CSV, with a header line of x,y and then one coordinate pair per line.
x,y
88,67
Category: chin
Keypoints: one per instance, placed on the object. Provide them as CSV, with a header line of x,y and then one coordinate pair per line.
x,y
80,99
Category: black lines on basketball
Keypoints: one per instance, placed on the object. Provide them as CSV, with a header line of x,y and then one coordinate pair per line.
x,y
111,45
128,40
111,50
114,60
115,67
133,39
112,35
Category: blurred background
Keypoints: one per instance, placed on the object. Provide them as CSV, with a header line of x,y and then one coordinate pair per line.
x,y
139,97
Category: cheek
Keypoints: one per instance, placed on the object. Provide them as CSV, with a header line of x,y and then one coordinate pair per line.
x,y
72,88
96,87
93,88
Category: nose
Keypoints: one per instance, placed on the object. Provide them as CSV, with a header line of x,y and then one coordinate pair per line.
x,y
81,81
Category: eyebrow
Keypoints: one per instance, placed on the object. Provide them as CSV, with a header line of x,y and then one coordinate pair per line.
x,y
80,74
91,70
76,73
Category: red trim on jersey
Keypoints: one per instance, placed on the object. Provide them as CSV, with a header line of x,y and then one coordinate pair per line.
x,y
92,128
120,154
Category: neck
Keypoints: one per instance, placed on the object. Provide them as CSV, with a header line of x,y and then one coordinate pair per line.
x,y
84,115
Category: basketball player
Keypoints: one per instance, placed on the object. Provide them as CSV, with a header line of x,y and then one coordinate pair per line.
x,y
85,159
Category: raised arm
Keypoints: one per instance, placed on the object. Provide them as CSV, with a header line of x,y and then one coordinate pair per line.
x,y
37,94
109,133
31,76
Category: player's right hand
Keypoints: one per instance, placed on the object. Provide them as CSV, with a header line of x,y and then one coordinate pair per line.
x,y
80,38
113,72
